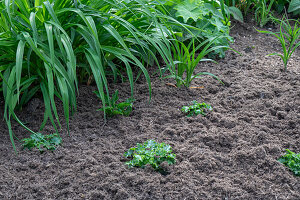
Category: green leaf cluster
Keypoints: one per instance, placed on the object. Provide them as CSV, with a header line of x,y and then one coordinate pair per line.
x,y
196,109
292,161
193,9
42,142
113,108
151,153
210,19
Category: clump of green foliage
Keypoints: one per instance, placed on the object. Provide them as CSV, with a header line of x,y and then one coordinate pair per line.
x,y
196,109
292,161
151,153
210,19
42,142
113,108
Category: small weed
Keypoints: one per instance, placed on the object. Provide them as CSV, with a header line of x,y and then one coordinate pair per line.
x,y
151,153
42,142
196,109
112,108
292,161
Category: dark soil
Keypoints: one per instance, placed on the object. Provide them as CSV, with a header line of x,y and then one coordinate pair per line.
x,y
230,154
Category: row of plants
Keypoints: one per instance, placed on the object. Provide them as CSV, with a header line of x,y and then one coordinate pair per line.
x,y
154,154
52,141
150,152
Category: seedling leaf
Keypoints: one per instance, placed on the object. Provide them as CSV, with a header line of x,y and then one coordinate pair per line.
x,y
196,109
42,142
151,153
292,161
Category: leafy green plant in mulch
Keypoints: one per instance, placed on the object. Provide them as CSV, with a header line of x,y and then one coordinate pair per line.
x,y
113,108
196,109
292,161
42,142
151,153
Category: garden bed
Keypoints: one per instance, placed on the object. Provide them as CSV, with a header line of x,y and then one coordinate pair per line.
x,y
230,154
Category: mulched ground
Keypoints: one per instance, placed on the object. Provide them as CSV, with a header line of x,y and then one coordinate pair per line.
x,y
230,154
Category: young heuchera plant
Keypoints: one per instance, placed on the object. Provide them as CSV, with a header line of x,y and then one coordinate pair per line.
x,y
292,161
151,153
42,142
196,109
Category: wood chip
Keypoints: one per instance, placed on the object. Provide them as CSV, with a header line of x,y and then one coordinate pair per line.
x,y
171,84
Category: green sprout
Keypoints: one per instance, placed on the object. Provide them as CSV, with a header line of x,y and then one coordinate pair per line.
x,y
42,142
196,109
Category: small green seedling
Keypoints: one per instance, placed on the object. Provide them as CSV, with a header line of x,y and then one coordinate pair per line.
x,y
112,108
292,161
196,109
42,142
151,153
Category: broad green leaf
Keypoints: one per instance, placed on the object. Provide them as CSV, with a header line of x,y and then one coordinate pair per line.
x,y
294,6
236,13
193,9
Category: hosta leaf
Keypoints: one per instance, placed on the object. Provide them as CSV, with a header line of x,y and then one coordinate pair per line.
x,y
294,6
236,13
